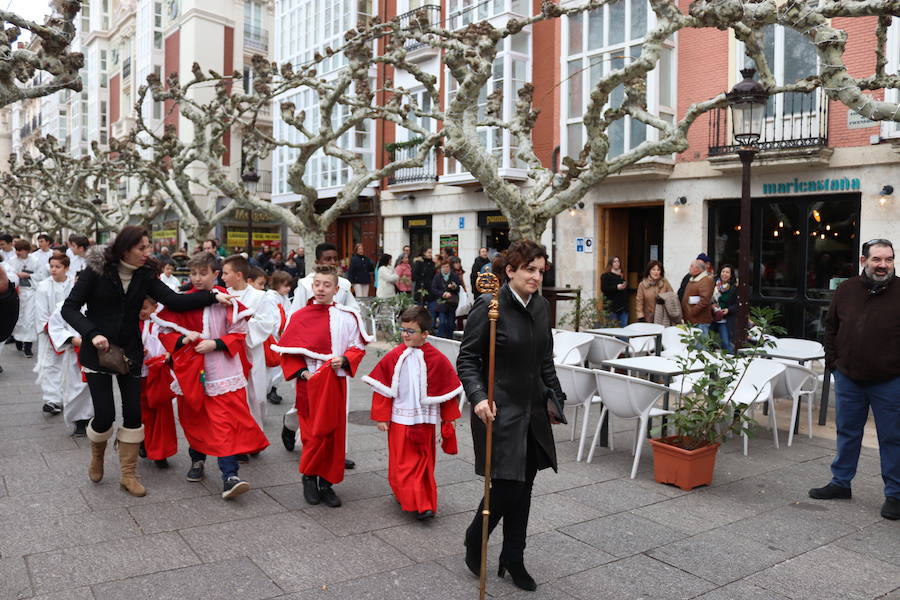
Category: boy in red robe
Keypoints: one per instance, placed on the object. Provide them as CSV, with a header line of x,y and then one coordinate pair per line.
x,y
323,343
207,348
160,440
415,388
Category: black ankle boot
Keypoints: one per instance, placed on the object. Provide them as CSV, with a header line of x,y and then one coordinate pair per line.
x,y
311,490
326,493
473,558
519,575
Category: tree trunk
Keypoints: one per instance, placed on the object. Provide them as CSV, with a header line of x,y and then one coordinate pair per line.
x,y
527,227
311,238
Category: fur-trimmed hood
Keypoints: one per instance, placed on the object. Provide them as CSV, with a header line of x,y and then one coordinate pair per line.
x,y
95,258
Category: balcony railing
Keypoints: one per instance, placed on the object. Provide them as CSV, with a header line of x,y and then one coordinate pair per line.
x,y
792,120
427,173
256,38
265,182
433,14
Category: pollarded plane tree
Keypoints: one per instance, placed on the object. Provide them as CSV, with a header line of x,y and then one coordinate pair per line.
x,y
18,65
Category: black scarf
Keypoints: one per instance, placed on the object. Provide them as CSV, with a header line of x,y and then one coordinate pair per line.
x,y
875,287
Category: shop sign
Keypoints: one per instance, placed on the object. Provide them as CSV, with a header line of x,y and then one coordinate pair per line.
x,y
160,235
857,121
492,219
417,222
242,214
260,238
797,186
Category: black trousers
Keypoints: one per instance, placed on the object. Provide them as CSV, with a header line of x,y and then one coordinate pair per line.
x,y
510,501
101,386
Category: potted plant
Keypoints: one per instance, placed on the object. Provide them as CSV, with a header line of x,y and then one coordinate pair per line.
x,y
591,316
707,412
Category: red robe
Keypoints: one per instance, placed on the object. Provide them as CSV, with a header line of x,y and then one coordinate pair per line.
x,y
273,359
212,403
314,335
411,433
157,415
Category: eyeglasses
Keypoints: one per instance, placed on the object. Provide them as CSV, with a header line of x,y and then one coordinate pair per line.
x,y
409,331
876,242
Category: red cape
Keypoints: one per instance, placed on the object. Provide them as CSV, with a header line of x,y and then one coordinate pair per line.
x,y
441,381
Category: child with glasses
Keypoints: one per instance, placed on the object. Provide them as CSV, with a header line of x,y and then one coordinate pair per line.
x,y
415,388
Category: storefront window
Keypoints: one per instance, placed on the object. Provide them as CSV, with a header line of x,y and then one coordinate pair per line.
x,y
780,250
832,247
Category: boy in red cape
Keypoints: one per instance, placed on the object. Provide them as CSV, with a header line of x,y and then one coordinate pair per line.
x,y
160,440
415,388
323,343
207,348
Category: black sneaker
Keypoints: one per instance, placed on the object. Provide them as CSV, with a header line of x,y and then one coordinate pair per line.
x,y
288,438
311,490
196,471
274,397
19,345
80,428
1,369
162,463
52,408
234,487
831,491
425,515
326,493
242,458
891,508
27,349
349,464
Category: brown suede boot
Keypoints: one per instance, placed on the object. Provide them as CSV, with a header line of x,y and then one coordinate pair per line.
x,y
98,449
129,442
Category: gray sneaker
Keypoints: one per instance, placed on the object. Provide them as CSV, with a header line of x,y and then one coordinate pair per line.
x,y
234,487
196,471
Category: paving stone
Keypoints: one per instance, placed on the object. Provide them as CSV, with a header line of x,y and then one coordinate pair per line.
x,y
62,502
741,590
614,496
879,541
358,516
108,561
552,555
14,583
253,537
796,528
160,488
19,447
719,556
756,493
638,577
695,512
425,580
358,486
25,463
38,431
623,534
179,514
830,573
570,476
553,511
44,531
83,593
329,562
427,540
735,466
238,578
460,497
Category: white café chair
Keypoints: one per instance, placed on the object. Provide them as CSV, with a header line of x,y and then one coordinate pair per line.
x,y
627,398
571,347
796,381
756,386
450,349
643,345
580,388
605,347
671,341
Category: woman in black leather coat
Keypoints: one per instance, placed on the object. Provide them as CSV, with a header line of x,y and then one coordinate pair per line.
x,y
523,439
113,287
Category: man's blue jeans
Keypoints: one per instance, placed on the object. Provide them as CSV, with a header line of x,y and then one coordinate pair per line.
x,y
852,403
227,464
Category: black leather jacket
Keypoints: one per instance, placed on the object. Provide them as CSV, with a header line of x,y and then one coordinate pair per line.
x,y
523,370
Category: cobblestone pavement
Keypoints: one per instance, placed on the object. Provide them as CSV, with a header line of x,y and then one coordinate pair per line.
x,y
594,533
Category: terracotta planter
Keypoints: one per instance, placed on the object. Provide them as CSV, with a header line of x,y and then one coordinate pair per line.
x,y
686,469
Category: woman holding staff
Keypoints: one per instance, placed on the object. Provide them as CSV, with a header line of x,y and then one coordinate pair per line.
x,y
522,436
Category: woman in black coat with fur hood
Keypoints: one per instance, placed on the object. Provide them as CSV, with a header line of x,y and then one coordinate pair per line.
x,y
113,286
523,439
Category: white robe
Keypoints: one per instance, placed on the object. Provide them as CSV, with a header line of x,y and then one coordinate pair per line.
x,y
48,298
261,325
273,374
76,264
76,399
42,262
304,293
24,330
171,281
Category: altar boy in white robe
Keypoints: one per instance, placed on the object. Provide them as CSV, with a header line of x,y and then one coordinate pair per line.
x,y
76,398
48,297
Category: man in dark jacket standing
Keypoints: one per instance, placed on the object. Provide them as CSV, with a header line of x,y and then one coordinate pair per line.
x,y
360,272
477,265
862,346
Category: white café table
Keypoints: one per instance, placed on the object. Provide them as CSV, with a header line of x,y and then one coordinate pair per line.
x,y
803,358
653,365
625,333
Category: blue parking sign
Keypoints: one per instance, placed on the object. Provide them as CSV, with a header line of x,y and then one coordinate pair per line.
x,y
579,244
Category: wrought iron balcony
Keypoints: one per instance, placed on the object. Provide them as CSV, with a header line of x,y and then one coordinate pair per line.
x,y
256,38
792,121
427,173
433,14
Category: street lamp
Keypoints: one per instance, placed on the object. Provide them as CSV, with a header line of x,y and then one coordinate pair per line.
x,y
251,180
97,201
747,100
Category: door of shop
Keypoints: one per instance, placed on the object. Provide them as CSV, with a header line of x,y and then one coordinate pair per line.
x,y
802,248
635,235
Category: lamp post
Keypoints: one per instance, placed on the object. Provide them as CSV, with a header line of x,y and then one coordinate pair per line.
x,y
97,201
747,100
251,179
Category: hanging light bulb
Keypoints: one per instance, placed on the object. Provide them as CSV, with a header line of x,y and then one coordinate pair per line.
x,y
828,228
781,223
775,233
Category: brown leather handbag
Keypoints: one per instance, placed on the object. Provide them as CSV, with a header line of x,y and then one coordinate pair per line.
x,y
114,361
